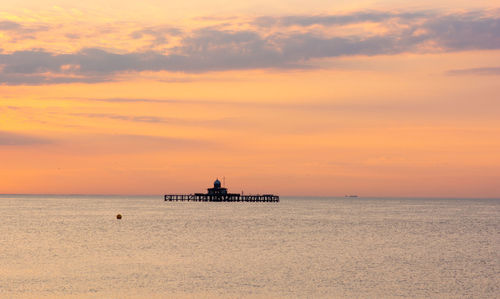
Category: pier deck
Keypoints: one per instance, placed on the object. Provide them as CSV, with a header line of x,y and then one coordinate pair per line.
x,y
222,198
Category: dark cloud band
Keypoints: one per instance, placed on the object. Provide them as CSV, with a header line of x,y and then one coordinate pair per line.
x,y
219,49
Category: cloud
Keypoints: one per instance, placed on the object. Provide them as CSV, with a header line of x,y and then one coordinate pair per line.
x,y
218,50
131,143
129,100
311,106
134,118
42,79
343,19
471,31
18,139
109,143
157,142
72,35
9,25
224,122
20,30
159,34
224,49
144,100
483,71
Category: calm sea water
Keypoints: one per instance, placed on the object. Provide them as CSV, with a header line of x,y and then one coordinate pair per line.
x,y
74,247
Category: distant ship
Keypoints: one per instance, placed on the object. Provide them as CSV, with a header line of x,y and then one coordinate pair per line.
x,y
351,196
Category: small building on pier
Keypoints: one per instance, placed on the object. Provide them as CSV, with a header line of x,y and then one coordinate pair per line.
x,y
219,193
217,189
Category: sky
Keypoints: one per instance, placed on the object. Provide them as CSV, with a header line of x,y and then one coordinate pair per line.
x,y
317,98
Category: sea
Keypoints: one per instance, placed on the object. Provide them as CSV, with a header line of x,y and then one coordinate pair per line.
x,y
73,246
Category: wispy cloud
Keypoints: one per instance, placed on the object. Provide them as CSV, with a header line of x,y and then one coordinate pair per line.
x,y
482,71
159,34
134,118
19,139
103,143
158,142
20,30
337,19
224,48
45,79
159,119
128,100
9,26
134,143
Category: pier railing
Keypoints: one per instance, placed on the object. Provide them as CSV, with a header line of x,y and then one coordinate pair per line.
x,y
222,197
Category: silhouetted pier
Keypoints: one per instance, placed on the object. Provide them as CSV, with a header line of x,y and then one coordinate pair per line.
x,y
219,194
205,197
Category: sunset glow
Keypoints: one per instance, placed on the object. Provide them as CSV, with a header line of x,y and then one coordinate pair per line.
x,y
374,98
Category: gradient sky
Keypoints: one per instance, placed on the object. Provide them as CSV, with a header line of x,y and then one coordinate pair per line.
x,y
376,98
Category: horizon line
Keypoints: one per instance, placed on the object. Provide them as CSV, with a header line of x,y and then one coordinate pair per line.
x,y
281,196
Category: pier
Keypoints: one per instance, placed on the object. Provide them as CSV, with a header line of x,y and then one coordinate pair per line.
x,y
239,198
220,194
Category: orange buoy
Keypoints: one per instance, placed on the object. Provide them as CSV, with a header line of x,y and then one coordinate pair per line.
x,y
119,216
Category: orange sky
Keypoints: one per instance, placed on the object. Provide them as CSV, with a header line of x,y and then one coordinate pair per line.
x,y
350,97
